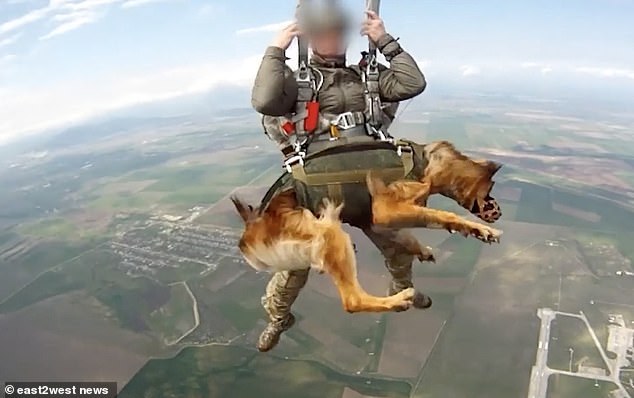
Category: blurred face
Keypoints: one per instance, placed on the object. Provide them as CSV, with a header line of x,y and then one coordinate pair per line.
x,y
329,43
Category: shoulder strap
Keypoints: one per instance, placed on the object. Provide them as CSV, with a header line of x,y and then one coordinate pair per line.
x,y
373,98
372,5
305,83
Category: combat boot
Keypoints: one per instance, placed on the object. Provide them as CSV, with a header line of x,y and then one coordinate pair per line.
x,y
271,334
421,301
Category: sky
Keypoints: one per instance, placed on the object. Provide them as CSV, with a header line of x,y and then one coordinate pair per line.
x,y
63,61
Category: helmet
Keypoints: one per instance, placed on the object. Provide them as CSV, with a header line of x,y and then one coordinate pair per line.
x,y
316,16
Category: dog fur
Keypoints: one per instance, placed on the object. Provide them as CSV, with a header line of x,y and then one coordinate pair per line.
x,y
286,236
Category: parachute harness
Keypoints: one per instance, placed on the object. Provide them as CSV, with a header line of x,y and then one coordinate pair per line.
x,y
371,79
305,122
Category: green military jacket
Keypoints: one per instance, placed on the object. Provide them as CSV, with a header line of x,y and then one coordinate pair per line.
x,y
338,175
275,89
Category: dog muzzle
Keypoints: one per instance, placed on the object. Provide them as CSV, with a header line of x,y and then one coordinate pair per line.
x,y
487,210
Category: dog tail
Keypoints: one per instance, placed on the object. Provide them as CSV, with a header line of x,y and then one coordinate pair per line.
x,y
330,210
246,211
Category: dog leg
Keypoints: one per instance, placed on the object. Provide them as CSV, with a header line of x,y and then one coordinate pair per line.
x,y
339,261
396,206
414,247
405,215
400,241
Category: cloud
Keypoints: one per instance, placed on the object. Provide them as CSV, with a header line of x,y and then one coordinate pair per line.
x,y
5,59
604,72
273,27
136,3
26,111
528,65
70,22
543,68
469,70
69,15
24,20
7,41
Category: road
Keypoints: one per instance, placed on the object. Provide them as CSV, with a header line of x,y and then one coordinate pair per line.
x,y
540,373
194,310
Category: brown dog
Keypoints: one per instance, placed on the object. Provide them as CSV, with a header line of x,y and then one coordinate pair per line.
x,y
285,236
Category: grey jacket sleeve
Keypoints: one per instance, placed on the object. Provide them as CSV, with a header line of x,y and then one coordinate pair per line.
x,y
403,79
275,90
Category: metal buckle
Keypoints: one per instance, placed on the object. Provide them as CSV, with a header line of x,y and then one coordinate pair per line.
x,y
380,135
345,121
303,73
290,162
372,69
298,146
400,148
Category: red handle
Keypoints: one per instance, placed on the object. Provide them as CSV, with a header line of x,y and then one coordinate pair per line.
x,y
312,118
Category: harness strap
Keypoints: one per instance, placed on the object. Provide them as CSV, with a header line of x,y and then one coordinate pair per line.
x,y
335,192
407,157
354,176
306,109
344,177
280,185
406,150
371,77
351,147
372,5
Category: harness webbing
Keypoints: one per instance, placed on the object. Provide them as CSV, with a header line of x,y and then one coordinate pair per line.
x,y
358,175
305,84
372,5
348,176
373,98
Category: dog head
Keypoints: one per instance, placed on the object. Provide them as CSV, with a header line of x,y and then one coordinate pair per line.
x,y
467,181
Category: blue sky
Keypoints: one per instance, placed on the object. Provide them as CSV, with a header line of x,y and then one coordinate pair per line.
x,y
67,60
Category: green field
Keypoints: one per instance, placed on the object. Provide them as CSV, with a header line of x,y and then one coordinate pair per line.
x,y
41,257
572,334
560,386
464,255
61,210
130,299
238,372
175,317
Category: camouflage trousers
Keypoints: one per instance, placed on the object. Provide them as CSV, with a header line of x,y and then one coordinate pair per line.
x,y
284,287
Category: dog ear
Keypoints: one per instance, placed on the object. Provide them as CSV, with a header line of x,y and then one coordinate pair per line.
x,y
493,167
245,210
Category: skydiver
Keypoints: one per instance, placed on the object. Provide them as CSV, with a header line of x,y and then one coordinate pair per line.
x,y
275,94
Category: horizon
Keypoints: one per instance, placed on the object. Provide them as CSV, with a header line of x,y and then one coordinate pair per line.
x,y
183,48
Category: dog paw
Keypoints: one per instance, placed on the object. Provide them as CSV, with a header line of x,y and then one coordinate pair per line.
x,y
426,255
486,234
404,300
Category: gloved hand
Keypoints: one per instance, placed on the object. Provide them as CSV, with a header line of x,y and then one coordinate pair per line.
x,y
373,26
286,36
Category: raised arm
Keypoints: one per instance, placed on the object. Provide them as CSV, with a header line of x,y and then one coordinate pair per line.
x,y
275,90
403,79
